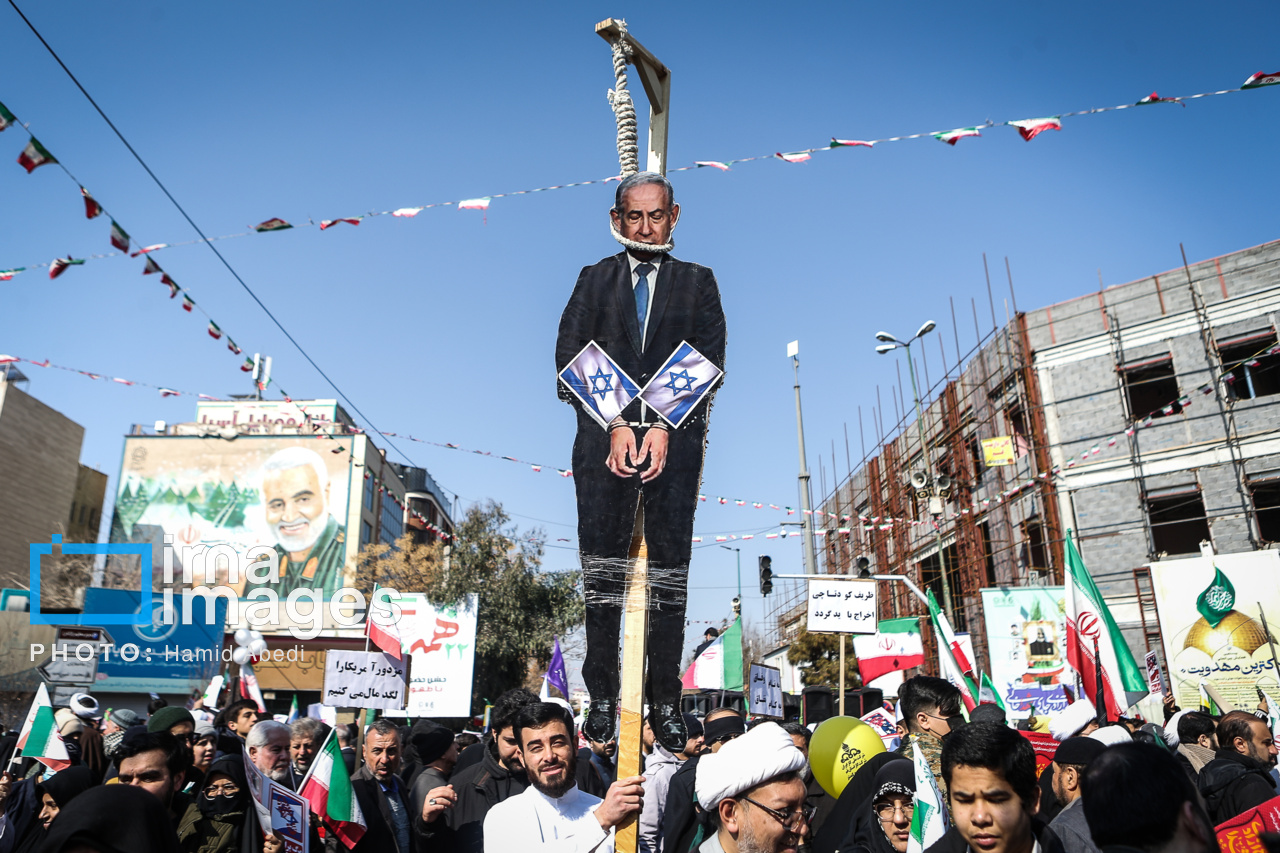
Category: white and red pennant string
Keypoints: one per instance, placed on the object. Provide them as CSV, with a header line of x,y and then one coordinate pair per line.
x,y
875,522
1027,128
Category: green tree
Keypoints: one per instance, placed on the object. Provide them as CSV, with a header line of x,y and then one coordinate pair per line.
x,y
520,606
822,654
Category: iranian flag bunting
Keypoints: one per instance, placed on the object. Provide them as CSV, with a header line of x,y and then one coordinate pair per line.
x,y
5,275
951,137
274,224
152,267
171,284
849,143
1153,98
119,237
91,206
350,220
214,331
474,204
1261,79
929,817
247,366
187,303
406,212
39,738
719,667
1090,625
895,646
59,265
9,359
952,661
715,164
6,118
327,787
231,345
169,392
794,156
145,249
1030,128
34,156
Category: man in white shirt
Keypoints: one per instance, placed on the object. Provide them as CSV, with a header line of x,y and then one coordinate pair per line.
x,y
552,815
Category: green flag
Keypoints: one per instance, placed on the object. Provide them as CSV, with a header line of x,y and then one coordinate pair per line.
x,y
988,693
732,658
1218,599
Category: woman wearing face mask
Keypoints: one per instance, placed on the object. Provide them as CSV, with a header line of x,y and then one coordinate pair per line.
x,y
52,795
221,825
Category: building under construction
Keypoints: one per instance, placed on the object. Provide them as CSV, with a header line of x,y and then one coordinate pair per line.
x,y
1142,416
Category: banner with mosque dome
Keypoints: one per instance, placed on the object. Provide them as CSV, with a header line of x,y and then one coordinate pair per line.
x,y
1211,624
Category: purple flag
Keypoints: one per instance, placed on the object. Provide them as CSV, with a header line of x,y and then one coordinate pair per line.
x,y
556,674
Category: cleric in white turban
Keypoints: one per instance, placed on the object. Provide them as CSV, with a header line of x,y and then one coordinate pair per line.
x,y
753,790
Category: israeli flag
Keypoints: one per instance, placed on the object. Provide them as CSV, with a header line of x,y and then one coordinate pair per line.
x,y
681,384
599,384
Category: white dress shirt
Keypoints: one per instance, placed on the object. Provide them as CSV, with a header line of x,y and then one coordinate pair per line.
x,y
533,821
653,280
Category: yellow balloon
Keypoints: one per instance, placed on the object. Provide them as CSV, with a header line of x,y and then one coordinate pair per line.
x,y
838,749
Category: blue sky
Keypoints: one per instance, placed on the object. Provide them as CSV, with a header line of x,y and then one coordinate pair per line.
x,y
443,326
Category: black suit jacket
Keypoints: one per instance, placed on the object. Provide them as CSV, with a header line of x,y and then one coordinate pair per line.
x,y
380,837
686,307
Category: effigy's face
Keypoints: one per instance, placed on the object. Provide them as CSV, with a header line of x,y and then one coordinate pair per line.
x,y
646,217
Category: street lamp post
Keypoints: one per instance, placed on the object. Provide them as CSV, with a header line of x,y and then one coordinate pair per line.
x,y
739,551
936,486
806,518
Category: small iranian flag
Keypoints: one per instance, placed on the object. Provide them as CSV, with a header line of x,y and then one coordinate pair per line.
x,y
34,156
39,738
247,366
849,143
952,661
1261,79
145,249
350,220
951,137
327,787
214,331
119,237
406,212
274,224
719,667
91,206
171,284
474,203
59,265
169,392
715,164
1153,98
384,636
929,817
293,711
187,303
1091,626
988,694
895,646
6,118
152,267
794,156
1030,128
5,275
231,345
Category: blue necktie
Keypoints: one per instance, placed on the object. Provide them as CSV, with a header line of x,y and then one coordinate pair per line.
x,y
642,293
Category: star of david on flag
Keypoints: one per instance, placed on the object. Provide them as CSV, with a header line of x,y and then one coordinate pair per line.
x,y
681,384
599,384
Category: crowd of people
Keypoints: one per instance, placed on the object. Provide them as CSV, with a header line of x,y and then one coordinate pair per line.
x,y
175,780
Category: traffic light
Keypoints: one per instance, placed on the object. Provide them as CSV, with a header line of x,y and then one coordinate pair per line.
x,y
766,575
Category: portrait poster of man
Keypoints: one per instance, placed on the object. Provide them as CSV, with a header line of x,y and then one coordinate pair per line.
x,y
1025,631
287,493
651,325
